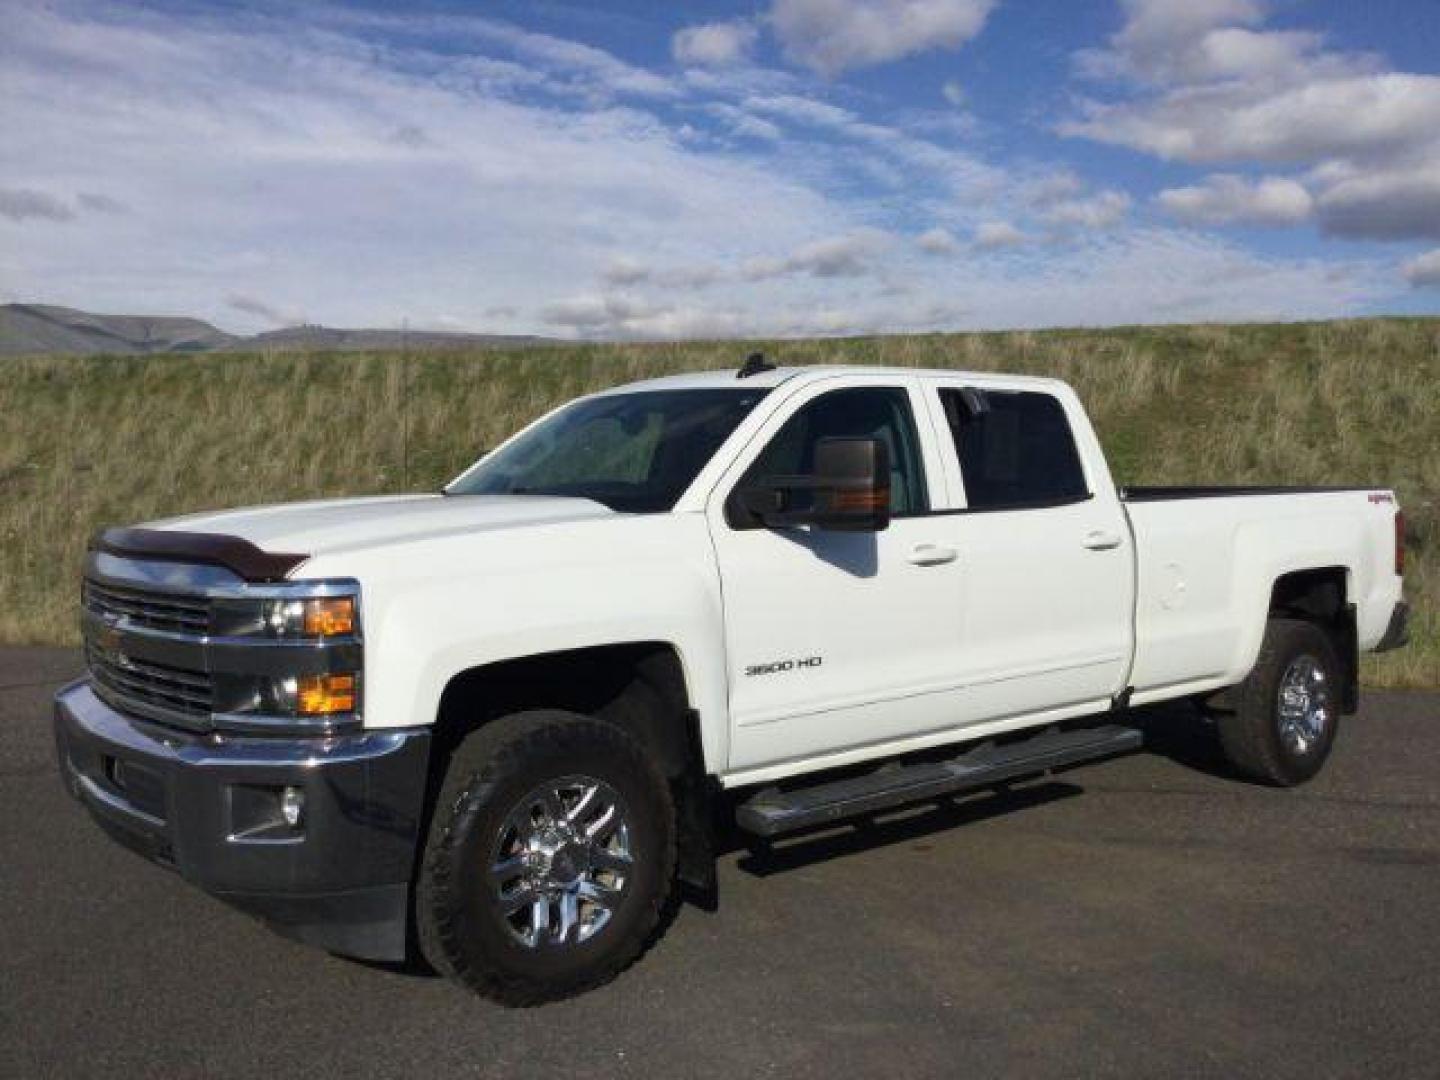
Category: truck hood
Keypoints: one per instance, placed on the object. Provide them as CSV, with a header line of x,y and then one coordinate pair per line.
x,y
339,525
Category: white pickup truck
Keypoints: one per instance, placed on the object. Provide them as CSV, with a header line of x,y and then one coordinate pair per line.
x,y
501,722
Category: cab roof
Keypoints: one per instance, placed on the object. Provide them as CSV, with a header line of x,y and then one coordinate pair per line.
x,y
729,379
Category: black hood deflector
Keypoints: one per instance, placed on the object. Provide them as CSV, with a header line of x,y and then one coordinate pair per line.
x,y
212,549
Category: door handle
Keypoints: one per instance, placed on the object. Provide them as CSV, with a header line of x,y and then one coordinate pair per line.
x,y
931,554
1101,540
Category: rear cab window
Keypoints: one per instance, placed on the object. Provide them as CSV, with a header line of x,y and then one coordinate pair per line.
x,y
1015,448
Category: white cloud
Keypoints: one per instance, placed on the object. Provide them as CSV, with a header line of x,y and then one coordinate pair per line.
x,y
1211,84
1050,187
1099,211
618,316
20,204
993,235
597,69
1170,41
1373,117
953,92
100,203
747,124
717,43
1401,203
256,162
336,163
937,241
1423,270
803,110
270,313
1232,200
626,271
833,36
833,257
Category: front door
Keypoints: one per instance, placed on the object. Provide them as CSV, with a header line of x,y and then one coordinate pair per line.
x,y
839,640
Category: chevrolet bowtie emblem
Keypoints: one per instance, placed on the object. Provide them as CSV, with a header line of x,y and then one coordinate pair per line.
x,y
109,635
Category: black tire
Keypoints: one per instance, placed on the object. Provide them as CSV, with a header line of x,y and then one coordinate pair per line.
x,y
462,929
1251,733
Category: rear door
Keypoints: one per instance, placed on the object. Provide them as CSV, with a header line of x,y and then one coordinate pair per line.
x,y
1047,553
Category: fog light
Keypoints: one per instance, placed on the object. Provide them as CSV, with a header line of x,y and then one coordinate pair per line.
x,y
323,695
292,806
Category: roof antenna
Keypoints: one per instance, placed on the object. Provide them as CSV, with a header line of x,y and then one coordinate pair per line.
x,y
755,363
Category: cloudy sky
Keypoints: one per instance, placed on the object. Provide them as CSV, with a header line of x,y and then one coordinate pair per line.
x,y
647,170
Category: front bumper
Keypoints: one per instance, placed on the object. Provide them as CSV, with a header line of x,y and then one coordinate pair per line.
x,y
340,879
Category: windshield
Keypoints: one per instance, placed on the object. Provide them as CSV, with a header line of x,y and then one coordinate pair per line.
x,y
635,453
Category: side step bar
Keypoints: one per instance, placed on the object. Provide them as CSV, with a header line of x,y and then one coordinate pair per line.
x,y
773,811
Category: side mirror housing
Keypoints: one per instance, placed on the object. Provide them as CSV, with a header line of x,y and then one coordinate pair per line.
x,y
848,492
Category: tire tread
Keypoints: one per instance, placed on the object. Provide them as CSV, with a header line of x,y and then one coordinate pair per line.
x,y
498,750
1247,732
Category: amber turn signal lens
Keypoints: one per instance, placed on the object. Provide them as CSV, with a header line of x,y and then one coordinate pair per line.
x,y
330,616
867,499
325,695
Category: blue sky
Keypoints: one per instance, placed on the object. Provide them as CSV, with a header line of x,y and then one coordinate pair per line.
x,y
785,167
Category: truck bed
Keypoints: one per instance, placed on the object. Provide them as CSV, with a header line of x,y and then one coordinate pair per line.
x,y
1218,491
1207,559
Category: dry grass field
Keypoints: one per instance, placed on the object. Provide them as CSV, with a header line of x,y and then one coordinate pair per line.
x,y
111,440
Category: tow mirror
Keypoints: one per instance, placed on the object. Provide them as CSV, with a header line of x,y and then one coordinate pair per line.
x,y
848,492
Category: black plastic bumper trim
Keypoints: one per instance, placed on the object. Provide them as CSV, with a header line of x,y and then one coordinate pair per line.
x,y
1397,633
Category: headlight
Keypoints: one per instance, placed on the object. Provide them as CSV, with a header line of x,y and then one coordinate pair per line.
x,y
313,618
321,616
290,659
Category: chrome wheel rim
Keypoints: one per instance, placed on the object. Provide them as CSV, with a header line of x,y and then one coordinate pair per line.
x,y
1303,704
562,862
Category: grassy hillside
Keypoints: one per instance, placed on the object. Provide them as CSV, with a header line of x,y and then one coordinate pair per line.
x,y
90,442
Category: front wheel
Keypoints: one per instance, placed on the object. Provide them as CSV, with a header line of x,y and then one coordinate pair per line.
x,y
1287,711
549,860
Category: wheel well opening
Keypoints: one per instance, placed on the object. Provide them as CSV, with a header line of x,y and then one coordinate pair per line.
x,y
1321,596
1317,595
639,687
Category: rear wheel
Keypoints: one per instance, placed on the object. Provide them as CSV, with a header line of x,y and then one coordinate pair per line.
x,y
1287,712
550,858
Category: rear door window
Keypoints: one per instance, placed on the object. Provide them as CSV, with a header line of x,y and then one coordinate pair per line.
x,y
1016,449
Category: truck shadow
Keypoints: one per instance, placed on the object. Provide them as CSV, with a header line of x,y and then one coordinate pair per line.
x,y
1179,732
1185,734
854,553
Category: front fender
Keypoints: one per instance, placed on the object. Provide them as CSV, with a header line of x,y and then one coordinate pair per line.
x,y
451,609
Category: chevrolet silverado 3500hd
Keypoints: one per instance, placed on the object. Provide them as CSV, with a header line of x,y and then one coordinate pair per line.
x,y
502,721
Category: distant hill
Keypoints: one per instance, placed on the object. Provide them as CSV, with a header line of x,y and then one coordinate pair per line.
x,y
324,337
45,328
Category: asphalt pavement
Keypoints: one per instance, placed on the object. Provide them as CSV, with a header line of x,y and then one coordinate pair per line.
x,y
1148,916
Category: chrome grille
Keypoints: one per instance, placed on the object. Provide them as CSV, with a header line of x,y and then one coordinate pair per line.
x,y
154,690
151,610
